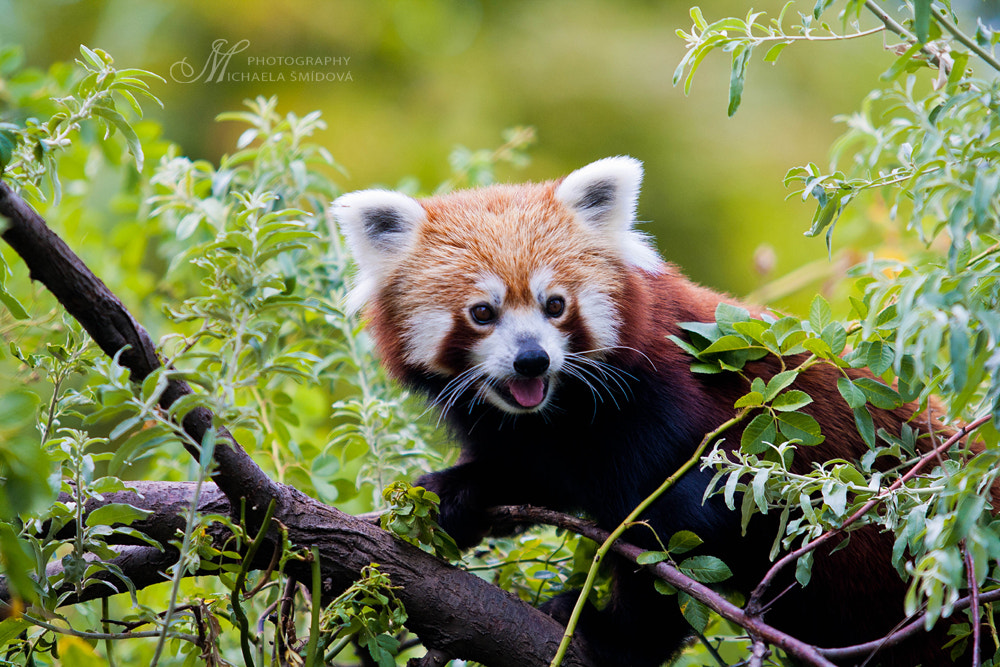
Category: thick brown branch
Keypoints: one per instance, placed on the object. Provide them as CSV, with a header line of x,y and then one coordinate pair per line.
x,y
113,328
141,564
450,609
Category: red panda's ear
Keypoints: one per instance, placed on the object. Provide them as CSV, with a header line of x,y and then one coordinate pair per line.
x,y
603,195
379,227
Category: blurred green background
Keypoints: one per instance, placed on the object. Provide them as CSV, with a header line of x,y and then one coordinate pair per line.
x,y
418,77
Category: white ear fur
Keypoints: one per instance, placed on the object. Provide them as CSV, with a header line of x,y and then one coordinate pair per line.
x,y
603,195
379,227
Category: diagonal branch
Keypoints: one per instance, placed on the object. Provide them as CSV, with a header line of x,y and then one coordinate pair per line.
x,y
109,323
667,572
451,610
754,604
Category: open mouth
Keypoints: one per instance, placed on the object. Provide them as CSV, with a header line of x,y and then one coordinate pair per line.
x,y
524,393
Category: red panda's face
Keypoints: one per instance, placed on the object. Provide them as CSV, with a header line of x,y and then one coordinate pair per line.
x,y
504,291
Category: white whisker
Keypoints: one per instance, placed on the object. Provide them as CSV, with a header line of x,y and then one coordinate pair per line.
x,y
621,347
600,376
457,386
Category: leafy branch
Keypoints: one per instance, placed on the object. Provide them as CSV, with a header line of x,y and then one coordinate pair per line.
x,y
755,605
628,522
27,153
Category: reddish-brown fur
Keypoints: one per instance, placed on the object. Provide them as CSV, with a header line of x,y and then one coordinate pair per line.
x,y
604,456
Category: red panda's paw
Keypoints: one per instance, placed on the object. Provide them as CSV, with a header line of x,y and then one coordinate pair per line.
x,y
461,513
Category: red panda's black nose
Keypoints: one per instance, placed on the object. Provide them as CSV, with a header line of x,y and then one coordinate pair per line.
x,y
531,360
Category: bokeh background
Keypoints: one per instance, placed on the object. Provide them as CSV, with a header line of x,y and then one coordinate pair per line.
x,y
418,77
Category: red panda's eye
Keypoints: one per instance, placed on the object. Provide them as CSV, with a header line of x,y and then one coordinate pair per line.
x,y
555,306
482,313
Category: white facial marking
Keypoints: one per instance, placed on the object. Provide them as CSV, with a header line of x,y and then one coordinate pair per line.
x,y
599,316
541,284
500,348
426,331
493,290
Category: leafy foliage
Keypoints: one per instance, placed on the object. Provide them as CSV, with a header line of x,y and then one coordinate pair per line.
x,y
922,316
249,277
413,514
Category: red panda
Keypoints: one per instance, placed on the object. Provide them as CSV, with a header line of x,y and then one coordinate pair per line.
x,y
536,317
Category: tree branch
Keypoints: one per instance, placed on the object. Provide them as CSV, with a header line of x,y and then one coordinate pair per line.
x,y
451,610
667,572
754,605
116,332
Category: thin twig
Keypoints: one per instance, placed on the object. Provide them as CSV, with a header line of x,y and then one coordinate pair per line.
x,y
626,523
914,626
805,653
964,39
970,571
754,604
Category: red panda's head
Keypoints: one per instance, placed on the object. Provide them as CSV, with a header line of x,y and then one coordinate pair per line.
x,y
502,291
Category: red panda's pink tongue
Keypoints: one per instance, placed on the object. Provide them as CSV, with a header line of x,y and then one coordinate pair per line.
x,y
528,392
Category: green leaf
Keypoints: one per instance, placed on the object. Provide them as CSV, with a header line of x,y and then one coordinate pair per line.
x,y
207,448
693,611
819,347
116,513
835,497
775,51
729,492
663,588
759,487
737,77
17,311
800,426
751,329
866,427
852,394
726,344
880,357
835,336
706,368
110,114
922,20
759,433
682,541
803,568
652,557
11,628
778,383
726,315
901,63
879,394
17,564
791,400
706,332
705,569
825,214
750,400
7,143
820,315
